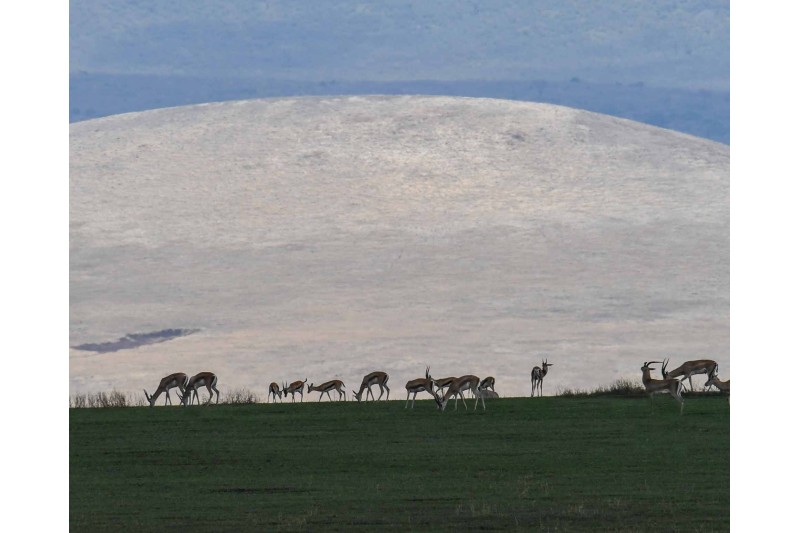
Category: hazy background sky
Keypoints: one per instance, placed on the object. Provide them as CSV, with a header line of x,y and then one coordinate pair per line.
x,y
663,62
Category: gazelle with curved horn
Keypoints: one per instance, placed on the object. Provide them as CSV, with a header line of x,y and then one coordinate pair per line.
x,y
537,377
274,391
690,368
419,385
178,379
327,387
374,378
292,388
207,379
652,386
468,382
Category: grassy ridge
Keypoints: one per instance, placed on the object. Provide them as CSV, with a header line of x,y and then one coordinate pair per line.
x,y
567,464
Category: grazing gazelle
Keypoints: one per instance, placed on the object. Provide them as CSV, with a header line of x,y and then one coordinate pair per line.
x,y
207,379
274,391
375,378
295,386
468,382
652,386
690,368
487,383
444,383
178,379
421,384
327,387
723,386
537,377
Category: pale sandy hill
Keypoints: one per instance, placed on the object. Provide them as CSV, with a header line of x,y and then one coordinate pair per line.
x,y
329,237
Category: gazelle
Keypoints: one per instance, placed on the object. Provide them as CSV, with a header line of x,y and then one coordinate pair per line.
x,y
274,391
295,386
374,378
652,386
420,385
723,386
207,379
690,368
178,379
537,377
444,383
327,387
468,382
486,383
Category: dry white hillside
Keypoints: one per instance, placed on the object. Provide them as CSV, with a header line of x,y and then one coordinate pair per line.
x,y
329,237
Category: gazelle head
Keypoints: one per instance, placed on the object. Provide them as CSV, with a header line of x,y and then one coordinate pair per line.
x,y
432,387
185,398
646,366
150,399
545,364
310,385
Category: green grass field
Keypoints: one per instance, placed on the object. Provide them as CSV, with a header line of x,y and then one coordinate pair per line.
x,y
548,464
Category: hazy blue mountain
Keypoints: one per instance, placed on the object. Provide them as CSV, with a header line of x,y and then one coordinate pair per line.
x,y
661,62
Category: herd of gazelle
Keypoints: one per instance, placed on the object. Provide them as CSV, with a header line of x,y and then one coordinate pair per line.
x,y
455,386
673,385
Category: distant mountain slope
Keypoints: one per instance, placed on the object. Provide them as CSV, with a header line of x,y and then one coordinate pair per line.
x,y
329,237
700,113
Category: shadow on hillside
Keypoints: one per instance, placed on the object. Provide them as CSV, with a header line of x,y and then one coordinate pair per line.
x,y
134,340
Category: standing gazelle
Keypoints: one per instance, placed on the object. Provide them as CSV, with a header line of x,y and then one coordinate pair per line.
x,y
178,379
274,391
652,386
468,382
537,377
375,378
295,386
422,384
207,379
327,387
690,368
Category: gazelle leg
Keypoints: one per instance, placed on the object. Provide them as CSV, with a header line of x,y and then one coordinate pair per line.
x,y
413,399
408,395
482,401
168,398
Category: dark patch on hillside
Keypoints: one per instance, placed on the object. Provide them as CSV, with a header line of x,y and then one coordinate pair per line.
x,y
134,340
